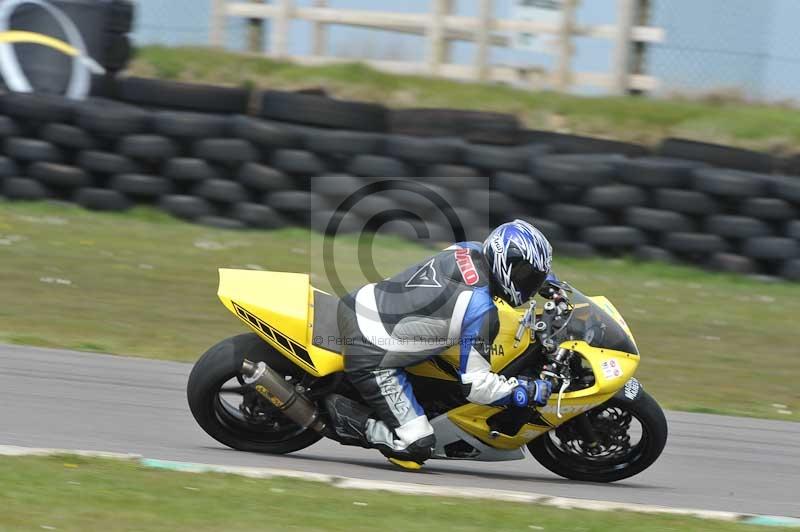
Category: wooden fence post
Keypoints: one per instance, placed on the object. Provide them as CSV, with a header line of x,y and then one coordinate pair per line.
x,y
626,12
218,21
279,29
563,77
255,33
436,35
482,40
319,33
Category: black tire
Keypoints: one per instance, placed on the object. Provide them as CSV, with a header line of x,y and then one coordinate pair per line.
x,y
578,170
221,222
106,163
189,171
717,155
231,152
264,134
686,201
374,205
24,189
729,183
32,150
501,158
149,148
576,144
420,232
59,175
102,199
654,254
186,207
8,128
522,187
474,126
187,125
296,202
654,437
336,187
299,162
791,270
728,226
577,250
658,172
451,170
177,95
658,221
37,107
221,190
316,110
8,168
259,216
732,263
771,248
263,178
111,118
120,16
378,166
490,203
699,244
341,143
613,237
615,197
575,215
792,228
68,136
769,209
428,200
118,51
425,151
786,188
141,185
550,229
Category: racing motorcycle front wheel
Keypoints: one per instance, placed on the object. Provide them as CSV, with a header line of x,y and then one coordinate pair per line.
x,y
627,436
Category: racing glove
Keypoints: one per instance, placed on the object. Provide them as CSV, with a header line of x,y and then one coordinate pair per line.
x,y
531,392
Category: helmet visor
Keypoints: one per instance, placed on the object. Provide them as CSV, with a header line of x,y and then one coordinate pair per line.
x,y
527,280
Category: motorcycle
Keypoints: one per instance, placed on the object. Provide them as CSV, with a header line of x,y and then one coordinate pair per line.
x,y
262,391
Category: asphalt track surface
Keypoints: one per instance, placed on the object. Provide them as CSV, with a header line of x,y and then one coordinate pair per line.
x,y
84,401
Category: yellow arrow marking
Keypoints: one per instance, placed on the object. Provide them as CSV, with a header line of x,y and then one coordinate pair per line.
x,y
38,38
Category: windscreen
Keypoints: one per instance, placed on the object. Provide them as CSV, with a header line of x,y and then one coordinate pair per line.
x,y
595,326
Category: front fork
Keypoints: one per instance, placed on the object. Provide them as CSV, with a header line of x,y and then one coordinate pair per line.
x,y
586,431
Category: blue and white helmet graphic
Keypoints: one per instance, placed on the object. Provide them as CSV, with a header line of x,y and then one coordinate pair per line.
x,y
520,258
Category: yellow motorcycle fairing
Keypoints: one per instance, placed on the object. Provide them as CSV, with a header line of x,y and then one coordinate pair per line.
x,y
612,369
279,307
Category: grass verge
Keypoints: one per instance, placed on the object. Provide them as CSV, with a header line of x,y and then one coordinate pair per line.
x,y
72,493
765,127
144,284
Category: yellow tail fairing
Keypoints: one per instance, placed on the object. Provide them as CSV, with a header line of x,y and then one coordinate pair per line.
x,y
278,306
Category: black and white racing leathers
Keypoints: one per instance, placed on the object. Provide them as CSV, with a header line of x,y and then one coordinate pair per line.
x,y
406,319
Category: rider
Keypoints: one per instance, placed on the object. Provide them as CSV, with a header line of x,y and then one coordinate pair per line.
x,y
417,314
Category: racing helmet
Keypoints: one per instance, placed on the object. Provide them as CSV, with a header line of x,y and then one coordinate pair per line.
x,y
520,258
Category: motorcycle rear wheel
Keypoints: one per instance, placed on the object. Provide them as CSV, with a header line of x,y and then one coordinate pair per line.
x,y
570,458
270,432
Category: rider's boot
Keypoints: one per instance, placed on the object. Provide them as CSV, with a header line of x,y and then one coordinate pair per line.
x,y
348,420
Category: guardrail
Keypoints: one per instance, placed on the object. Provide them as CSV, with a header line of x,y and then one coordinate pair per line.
x,y
440,27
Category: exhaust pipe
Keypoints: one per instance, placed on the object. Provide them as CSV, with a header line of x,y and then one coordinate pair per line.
x,y
275,389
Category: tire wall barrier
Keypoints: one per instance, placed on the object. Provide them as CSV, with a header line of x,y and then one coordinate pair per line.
x,y
194,151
